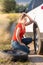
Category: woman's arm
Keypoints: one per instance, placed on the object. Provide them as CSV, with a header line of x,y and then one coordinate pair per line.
x,y
28,17
31,20
28,23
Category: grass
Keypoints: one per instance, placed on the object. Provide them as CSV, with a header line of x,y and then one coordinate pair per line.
x,y
4,46
10,62
4,62
7,45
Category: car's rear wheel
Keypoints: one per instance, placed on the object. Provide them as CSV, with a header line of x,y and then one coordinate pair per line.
x,y
37,41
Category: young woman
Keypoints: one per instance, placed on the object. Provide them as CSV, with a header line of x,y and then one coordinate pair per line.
x,y
18,41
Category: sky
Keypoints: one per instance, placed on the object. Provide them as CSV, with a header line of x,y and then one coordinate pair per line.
x,y
23,2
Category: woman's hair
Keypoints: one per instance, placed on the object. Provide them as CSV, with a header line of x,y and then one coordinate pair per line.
x,y
23,15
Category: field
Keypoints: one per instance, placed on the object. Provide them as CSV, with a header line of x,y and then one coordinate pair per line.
x,y
5,60
6,21
5,41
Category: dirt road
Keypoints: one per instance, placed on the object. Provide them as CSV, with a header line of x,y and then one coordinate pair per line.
x,y
35,59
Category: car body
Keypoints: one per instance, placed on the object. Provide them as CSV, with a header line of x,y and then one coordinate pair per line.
x,y
37,15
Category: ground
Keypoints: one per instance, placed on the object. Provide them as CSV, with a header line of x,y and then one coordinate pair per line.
x,y
32,59
4,60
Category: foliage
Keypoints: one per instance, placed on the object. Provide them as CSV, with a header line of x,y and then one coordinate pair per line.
x,y
9,5
13,16
20,8
6,21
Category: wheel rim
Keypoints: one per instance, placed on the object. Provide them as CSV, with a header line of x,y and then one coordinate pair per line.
x,y
37,41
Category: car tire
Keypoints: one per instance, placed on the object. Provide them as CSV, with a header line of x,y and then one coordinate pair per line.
x,y
38,45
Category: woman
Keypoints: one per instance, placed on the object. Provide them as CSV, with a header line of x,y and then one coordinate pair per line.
x,y
18,41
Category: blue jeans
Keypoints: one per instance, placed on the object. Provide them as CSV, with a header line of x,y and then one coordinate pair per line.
x,y
26,41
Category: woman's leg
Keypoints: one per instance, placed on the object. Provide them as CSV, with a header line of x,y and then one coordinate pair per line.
x,y
17,46
27,41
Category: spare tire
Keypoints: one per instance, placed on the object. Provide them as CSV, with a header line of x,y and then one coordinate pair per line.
x,y
37,40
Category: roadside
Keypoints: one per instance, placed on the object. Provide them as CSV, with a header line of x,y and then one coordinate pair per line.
x,y
7,60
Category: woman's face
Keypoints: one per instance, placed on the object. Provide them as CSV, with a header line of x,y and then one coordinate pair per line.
x,y
24,20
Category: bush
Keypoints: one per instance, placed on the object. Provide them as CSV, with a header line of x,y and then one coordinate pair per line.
x,y
13,16
9,5
5,32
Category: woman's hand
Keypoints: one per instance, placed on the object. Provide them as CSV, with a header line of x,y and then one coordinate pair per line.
x,y
22,44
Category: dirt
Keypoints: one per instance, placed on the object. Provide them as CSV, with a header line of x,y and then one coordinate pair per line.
x,y
35,59
32,59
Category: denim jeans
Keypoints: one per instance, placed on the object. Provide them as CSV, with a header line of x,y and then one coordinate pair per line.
x,y
26,41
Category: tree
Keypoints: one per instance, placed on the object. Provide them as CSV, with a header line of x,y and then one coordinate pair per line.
x,y
9,5
21,8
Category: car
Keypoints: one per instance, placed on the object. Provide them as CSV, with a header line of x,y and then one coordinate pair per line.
x,y
35,30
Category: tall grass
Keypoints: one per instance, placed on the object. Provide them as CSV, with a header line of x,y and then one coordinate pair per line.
x,y
13,16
